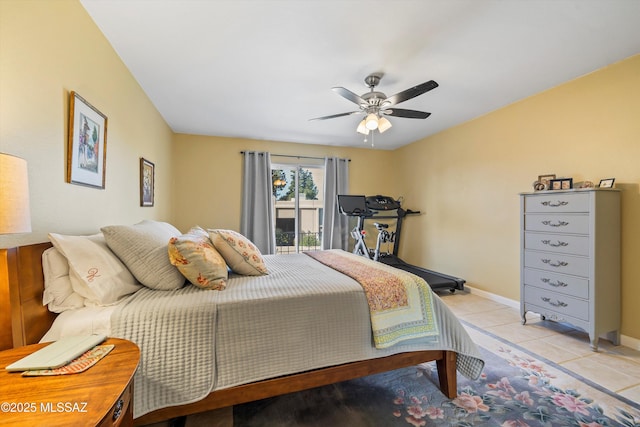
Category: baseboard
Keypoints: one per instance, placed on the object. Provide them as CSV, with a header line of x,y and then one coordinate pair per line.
x,y
493,297
626,341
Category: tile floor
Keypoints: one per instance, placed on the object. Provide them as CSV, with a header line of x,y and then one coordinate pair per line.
x,y
616,368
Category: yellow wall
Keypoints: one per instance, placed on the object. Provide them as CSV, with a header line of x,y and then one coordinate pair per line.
x,y
47,49
208,179
467,179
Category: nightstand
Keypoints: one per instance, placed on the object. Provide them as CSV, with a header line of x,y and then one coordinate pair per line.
x,y
99,396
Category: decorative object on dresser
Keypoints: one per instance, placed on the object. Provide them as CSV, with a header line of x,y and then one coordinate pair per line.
x,y
570,259
147,182
87,150
583,184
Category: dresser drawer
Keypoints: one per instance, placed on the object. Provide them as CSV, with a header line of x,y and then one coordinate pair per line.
x,y
557,223
565,244
557,263
559,303
560,202
561,283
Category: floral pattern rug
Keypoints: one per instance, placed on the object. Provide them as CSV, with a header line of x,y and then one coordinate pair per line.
x,y
516,389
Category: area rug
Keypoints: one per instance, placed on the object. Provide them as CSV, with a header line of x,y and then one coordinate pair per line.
x,y
516,389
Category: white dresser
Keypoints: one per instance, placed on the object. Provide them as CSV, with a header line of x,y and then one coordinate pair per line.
x,y
570,259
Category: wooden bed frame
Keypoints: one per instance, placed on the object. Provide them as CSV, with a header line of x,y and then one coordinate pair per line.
x,y
21,269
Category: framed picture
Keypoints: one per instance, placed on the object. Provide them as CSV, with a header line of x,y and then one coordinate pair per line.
x,y
147,182
607,183
561,184
87,145
544,179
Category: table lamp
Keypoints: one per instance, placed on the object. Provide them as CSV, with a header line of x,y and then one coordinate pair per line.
x,y
15,215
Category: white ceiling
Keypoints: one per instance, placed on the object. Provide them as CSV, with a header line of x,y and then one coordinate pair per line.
x,y
262,69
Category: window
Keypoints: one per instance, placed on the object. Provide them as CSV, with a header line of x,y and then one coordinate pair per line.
x,y
299,200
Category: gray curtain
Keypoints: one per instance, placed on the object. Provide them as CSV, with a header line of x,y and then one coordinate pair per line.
x,y
335,226
256,221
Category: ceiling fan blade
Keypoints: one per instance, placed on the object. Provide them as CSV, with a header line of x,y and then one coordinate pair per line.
x,y
333,116
410,93
346,93
410,114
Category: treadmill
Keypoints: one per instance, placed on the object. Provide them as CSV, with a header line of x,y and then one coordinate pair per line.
x,y
385,207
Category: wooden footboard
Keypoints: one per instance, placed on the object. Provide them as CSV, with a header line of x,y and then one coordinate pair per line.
x,y
30,320
446,362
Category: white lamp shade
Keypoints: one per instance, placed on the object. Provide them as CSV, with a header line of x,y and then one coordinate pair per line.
x,y
362,128
383,124
15,216
371,122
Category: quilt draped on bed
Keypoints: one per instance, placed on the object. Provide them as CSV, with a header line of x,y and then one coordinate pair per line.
x,y
400,303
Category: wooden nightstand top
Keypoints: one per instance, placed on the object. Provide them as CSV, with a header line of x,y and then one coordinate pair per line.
x,y
64,400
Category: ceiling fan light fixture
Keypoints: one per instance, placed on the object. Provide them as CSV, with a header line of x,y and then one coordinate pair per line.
x,y
362,128
371,122
383,124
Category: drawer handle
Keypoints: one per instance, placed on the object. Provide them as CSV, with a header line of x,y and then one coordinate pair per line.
x,y
118,409
554,304
557,284
557,224
555,245
554,205
557,264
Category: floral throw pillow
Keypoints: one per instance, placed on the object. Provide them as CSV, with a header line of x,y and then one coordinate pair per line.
x,y
196,258
241,255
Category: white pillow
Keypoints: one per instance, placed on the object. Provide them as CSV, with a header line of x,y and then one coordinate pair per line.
x,y
144,248
58,294
95,272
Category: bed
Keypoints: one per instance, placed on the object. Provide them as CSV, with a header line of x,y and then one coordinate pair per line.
x,y
31,321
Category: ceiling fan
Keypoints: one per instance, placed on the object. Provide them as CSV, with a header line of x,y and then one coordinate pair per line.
x,y
376,104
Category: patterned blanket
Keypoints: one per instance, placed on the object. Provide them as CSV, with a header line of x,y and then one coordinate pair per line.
x,y
400,303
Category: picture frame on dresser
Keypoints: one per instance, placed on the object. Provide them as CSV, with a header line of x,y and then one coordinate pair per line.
x,y
87,144
544,179
561,184
607,183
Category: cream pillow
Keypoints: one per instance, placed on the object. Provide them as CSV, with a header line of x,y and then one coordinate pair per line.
x,y
242,256
95,272
197,259
143,248
58,293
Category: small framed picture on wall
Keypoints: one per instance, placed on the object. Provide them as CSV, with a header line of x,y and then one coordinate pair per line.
x,y
87,144
147,182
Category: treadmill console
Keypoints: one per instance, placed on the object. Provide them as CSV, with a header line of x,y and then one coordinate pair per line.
x,y
353,205
382,203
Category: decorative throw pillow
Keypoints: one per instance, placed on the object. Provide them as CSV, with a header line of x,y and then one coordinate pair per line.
x,y
242,256
58,294
95,272
197,259
143,248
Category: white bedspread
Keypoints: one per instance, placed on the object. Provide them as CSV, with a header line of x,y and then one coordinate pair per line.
x,y
302,316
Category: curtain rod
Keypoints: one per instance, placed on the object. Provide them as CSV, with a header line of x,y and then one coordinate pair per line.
x,y
296,157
